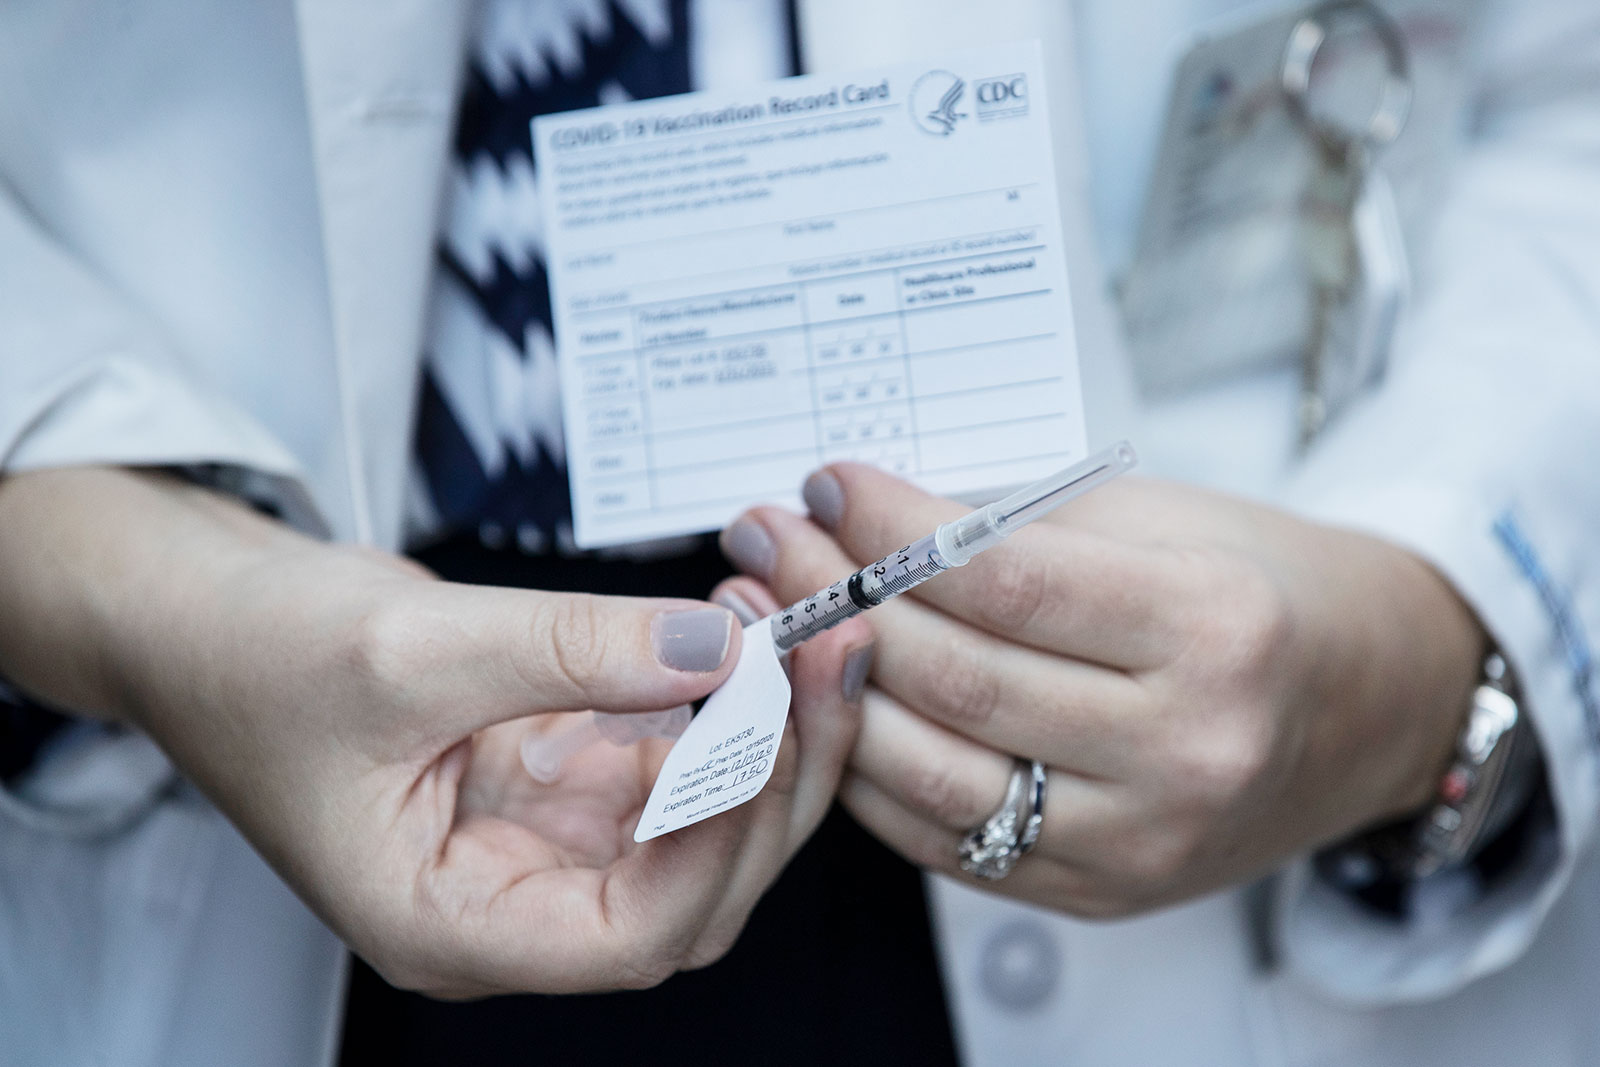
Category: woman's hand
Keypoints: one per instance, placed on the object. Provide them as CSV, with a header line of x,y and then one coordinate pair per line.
x,y
359,721
1214,686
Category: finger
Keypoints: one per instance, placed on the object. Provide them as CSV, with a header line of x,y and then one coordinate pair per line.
x,y
761,857
829,674
473,656
749,600
828,713
1037,877
1053,586
745,597
1149,511
955,784
826,699
1012,698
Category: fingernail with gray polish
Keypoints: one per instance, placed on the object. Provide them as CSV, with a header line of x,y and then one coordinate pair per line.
x,y
750,547
857,666
824,498
693,640
738,605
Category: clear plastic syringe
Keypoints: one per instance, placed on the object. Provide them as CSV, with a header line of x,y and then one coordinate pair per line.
x,y
951,545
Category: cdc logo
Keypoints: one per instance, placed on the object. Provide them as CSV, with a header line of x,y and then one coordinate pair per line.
x,y
935,99
1001,98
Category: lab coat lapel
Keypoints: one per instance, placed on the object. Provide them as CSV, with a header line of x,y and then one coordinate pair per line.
x,y
380,87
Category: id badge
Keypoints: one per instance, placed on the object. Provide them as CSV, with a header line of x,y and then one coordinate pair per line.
x,y
1218,287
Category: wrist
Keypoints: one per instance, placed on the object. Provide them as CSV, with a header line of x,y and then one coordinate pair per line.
x,y
1406,655
1494,773
79,546
167,593
1440,662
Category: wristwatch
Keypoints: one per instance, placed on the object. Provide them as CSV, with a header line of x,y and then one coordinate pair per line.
x,y
1490,779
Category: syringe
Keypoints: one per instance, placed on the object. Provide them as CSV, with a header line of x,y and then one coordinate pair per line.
x,y
952,545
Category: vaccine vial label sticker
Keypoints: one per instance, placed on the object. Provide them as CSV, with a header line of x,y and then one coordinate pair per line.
x,y
726,755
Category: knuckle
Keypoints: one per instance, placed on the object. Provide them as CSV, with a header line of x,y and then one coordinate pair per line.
x,y
577,639
711,949
639,950
426,959
408,975
643,975
1014,592
1263,623
1247,625
1228,761
1224,738
649,963
386,646
1157,861
937,789
960,687
642,954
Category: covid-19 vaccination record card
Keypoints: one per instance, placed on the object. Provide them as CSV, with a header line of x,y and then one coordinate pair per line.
x,y
748,284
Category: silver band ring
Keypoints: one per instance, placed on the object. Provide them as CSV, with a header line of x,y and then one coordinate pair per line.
x,y
991,851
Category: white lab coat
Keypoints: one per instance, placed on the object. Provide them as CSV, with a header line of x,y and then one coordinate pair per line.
x,y
225,259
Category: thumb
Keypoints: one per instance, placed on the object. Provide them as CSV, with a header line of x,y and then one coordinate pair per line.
x,y
508,653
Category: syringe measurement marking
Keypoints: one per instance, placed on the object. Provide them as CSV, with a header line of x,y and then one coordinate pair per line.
x,y
906,579
867,588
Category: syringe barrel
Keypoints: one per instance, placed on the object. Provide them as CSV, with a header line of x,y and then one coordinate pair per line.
x,y
866,588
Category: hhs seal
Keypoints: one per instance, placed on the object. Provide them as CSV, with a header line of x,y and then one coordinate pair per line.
x,y
934,98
